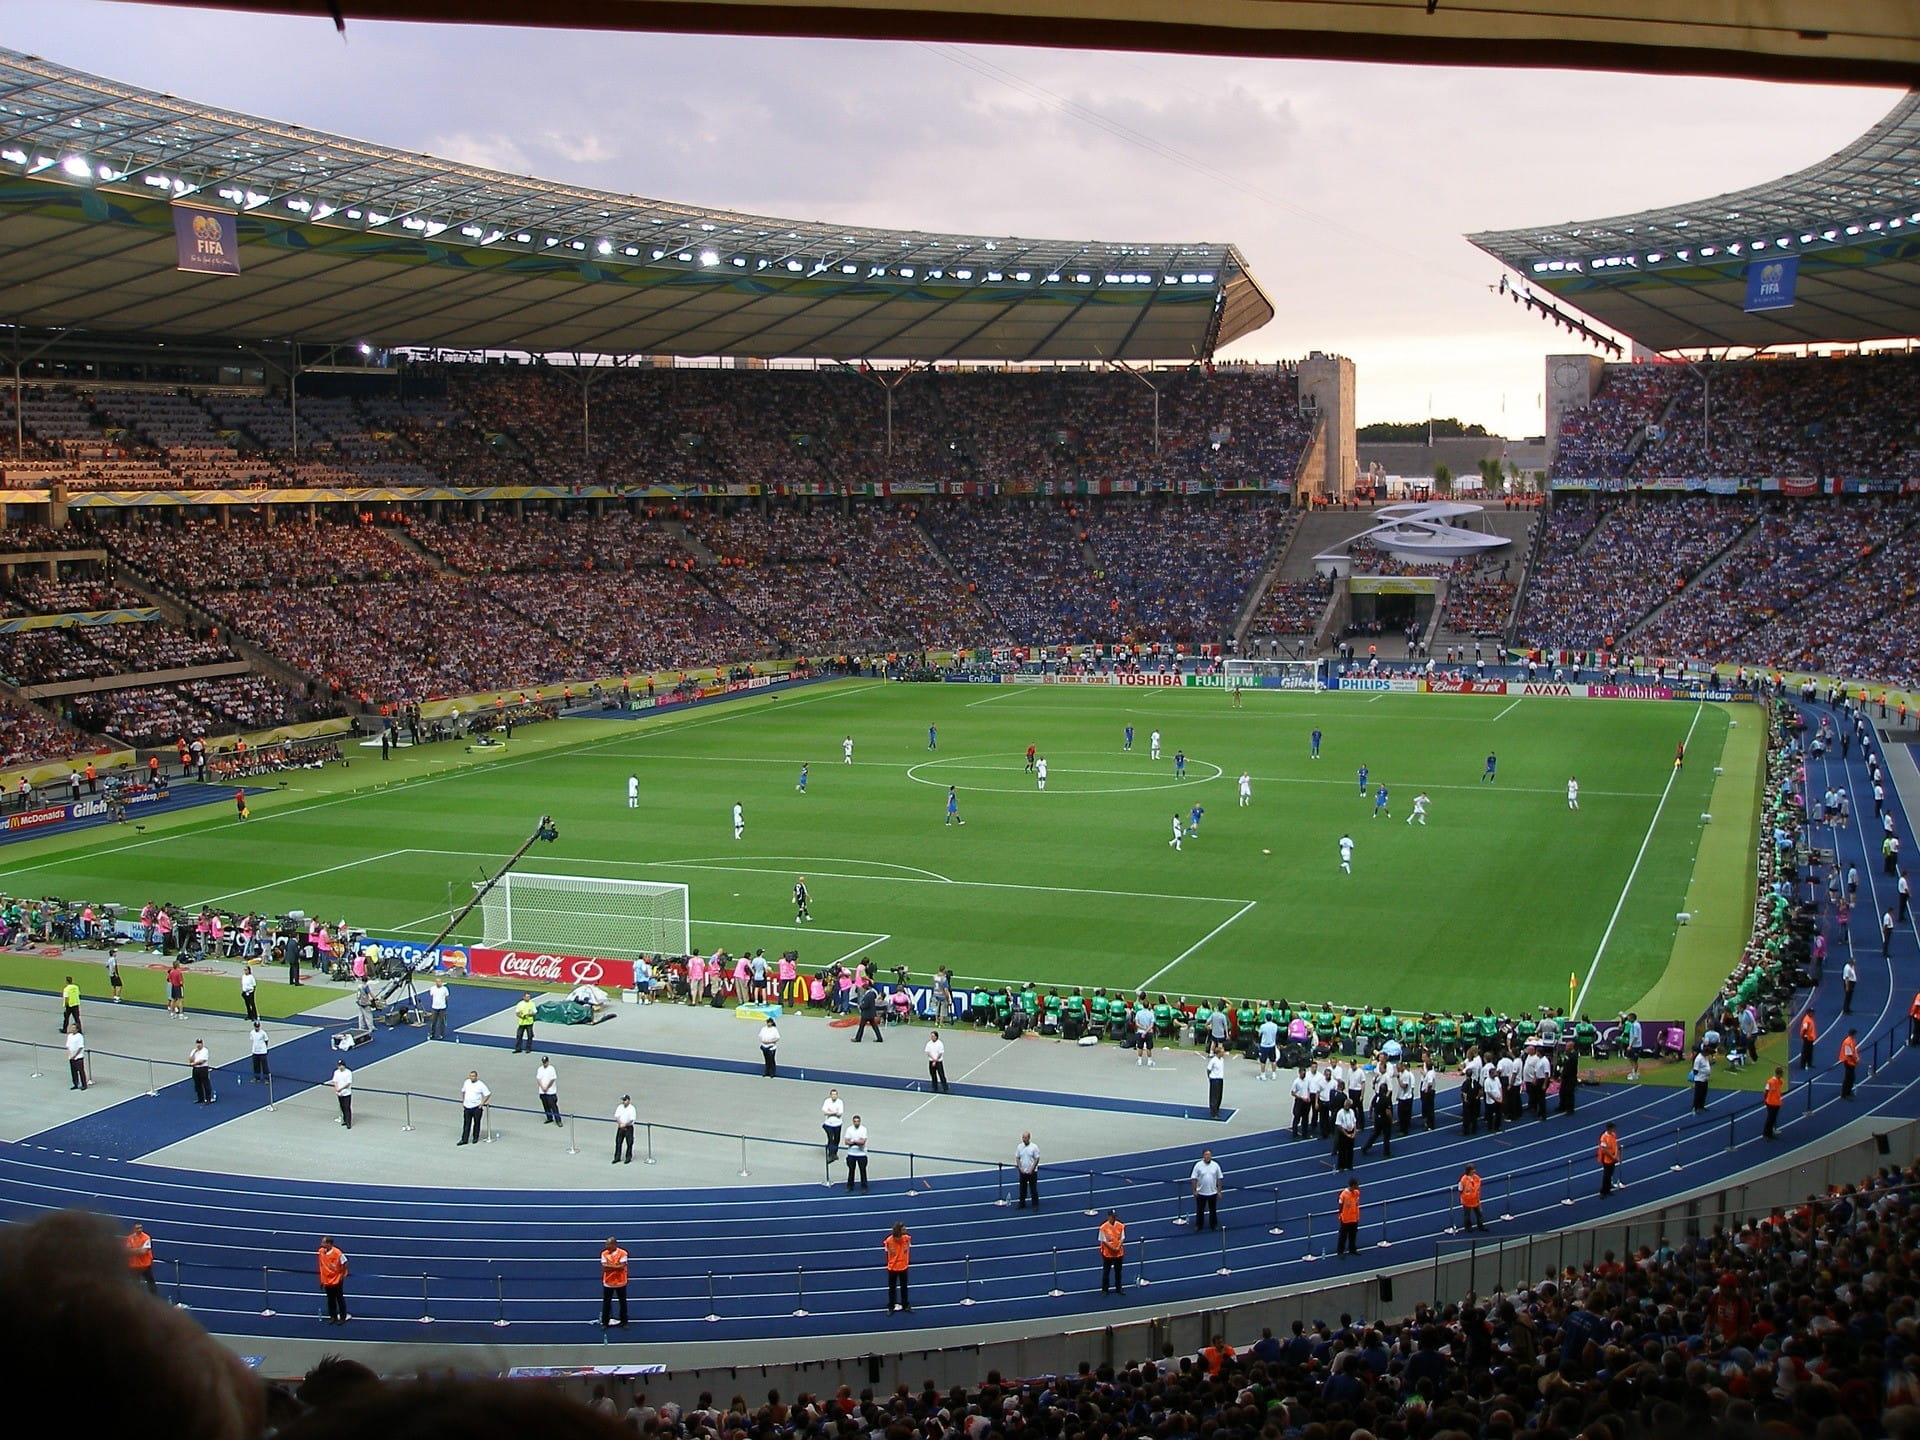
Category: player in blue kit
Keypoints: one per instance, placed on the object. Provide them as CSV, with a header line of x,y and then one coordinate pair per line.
x,y
1127,743
1486,776
1380,803
1363,782
1316,744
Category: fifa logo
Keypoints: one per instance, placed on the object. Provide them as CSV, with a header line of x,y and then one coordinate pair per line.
x,y
207,240
1771,278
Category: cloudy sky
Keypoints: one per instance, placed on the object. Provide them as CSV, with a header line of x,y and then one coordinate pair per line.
x,y
1347,187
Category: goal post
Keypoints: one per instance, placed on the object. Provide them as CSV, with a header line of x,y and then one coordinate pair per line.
x,y
1274,674
585,914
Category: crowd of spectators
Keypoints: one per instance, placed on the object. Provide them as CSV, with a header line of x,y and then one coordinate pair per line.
x,y
29,735
1031,566
1846,416
615,542
1600,441
1293,607
1477,604
1792,556
1638,553
1183,568
252,554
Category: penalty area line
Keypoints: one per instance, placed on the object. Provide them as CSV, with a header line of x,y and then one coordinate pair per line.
x,y
1193,948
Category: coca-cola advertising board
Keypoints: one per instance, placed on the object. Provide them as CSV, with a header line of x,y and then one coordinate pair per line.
x,y
540,967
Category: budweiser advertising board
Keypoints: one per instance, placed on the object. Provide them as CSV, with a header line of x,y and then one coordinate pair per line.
x,y
534,967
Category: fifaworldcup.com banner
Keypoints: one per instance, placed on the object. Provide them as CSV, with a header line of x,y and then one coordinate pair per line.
x,y
206,242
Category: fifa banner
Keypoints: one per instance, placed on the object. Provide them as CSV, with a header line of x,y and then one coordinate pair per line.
x,y
206,242
1770,283
418,957
538,968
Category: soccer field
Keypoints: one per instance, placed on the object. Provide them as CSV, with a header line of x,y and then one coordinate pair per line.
x,y
1496,901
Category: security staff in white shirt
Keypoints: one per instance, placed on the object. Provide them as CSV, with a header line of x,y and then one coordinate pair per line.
x,y
1216,1081
937,1065
624,1116
257,1046
1026,1165
1302,1103
546,1080
437,994
247,985
769,1042
856,1139
76,1057
832,1110
342,1083
474,1095
1208,1181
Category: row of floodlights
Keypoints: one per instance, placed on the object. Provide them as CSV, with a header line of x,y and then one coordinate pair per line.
x,y
80,168
1784,242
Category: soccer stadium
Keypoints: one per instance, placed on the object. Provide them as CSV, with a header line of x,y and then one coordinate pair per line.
x,y
622,653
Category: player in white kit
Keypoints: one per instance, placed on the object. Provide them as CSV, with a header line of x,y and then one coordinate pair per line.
x,y
1346,853
1246,788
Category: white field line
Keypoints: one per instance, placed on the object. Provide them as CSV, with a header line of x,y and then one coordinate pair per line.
x,y
1191,949
1006,694
309,875
1516,700
1645,841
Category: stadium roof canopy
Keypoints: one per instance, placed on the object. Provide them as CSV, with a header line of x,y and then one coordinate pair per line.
x,y
1676,278
1875,41
342,241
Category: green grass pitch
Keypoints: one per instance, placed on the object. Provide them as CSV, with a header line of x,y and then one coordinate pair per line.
x,y
1502,895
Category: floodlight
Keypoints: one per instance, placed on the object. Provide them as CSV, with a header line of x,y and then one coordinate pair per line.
x,y
793,264
1023,275
605,247
14,157
365,349
968,274
77,166
708,257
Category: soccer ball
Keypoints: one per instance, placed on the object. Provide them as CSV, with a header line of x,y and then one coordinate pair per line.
x,y
1266,852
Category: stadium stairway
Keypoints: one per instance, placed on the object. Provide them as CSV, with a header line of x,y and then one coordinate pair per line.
x,y
799,1264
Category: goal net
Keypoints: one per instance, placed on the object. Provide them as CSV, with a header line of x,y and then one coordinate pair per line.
x,y
1275,674
585,914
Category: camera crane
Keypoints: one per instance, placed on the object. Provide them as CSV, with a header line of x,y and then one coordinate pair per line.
x,y
546,831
